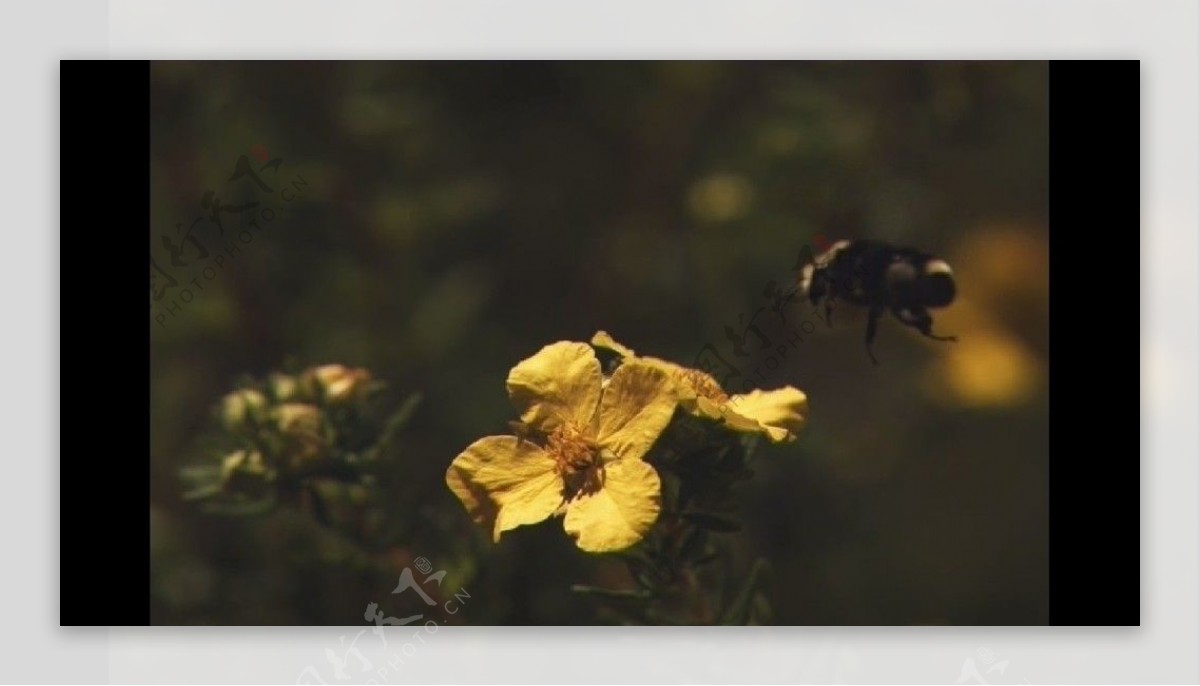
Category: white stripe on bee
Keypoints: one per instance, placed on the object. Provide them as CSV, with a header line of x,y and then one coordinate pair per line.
x,y
938,267
827,258
806,275
821,261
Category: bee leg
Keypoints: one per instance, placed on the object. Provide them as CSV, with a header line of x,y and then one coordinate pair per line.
x,y
872,326
828,312
920,320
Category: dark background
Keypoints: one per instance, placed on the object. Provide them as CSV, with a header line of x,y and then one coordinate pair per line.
x,y
457,216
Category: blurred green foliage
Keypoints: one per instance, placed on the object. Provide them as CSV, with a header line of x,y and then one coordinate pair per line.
x,y
456,217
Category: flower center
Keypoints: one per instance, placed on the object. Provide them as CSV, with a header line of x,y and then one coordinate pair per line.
x,y
577,458
703,384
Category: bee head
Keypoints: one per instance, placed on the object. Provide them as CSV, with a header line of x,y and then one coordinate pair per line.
x,y
929,285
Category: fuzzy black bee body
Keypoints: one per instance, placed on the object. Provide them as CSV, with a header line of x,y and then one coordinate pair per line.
x,y
883,278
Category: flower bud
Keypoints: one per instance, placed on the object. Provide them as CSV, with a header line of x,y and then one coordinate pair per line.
x,y
285,388
241,407
302,429
339,383
297,418
245,471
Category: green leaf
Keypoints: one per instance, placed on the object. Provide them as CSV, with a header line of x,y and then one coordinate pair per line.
x,y
394,426
203,492
611,594
713,522
694,545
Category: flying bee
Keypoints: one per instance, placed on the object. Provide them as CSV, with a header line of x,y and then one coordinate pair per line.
x,y
880,276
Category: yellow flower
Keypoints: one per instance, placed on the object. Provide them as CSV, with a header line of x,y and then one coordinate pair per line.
x,y
589,468
777,414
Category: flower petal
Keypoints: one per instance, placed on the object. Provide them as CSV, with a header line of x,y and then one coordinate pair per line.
x,y
620,513
678,373
706,407
505,482
779,414
560,383
603,340
636,406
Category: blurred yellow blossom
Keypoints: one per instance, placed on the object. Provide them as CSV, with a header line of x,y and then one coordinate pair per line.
x,y
777,414
991,368
1005,262
999,315
589,467
720,197
988,367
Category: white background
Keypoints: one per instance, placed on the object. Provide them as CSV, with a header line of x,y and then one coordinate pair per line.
x,y
1163,34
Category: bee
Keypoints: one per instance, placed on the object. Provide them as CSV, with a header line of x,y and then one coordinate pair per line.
x,y
881,277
